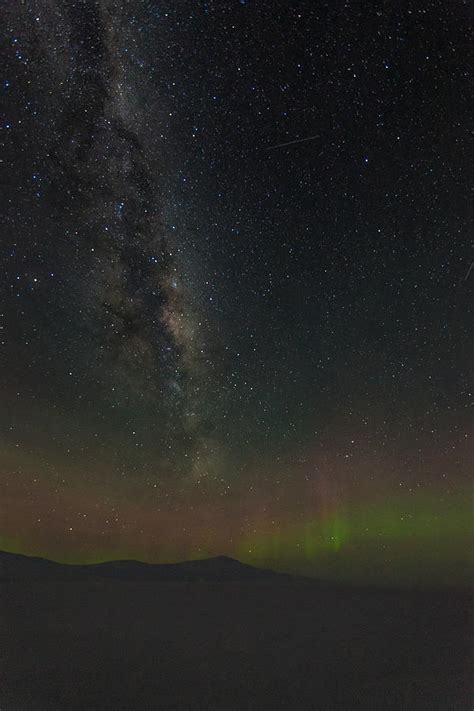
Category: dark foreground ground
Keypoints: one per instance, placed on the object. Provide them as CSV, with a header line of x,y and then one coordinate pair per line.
x,y
271,644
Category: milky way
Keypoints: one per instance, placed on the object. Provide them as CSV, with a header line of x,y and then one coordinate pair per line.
x,y
209,346
144,336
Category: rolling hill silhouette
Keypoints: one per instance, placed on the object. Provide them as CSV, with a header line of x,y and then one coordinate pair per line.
x,y
220,634
14,566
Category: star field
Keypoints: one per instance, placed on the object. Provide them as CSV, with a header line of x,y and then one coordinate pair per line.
x,y
236,284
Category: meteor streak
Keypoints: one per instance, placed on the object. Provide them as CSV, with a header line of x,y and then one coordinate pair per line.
x,y
290,143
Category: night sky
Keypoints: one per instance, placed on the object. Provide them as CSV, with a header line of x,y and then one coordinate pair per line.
x,y
236,284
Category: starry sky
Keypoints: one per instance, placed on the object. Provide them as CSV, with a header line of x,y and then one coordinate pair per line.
x,y
236,284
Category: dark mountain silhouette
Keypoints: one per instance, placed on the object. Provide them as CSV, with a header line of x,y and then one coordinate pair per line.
x,y
219,634
14,566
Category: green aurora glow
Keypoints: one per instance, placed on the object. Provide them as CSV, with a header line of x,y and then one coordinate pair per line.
x,y
402,540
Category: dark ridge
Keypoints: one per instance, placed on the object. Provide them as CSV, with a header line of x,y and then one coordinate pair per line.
x,y
14,566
